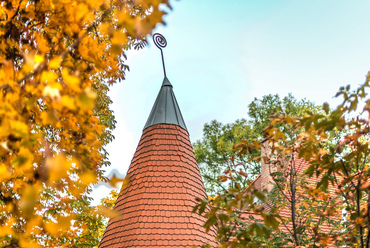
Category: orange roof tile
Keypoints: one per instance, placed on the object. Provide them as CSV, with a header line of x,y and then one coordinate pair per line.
x,y
300,166
156,207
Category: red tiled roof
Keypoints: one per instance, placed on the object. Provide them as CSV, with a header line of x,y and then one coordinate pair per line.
x,y
156,207
300,165
256,183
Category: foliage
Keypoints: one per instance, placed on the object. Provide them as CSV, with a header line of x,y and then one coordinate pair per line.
x,y
332,191
94,221
232,213
308,212
57,59
103,211
109,201
214,151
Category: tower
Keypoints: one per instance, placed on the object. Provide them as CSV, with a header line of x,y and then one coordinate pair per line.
x,y
156,207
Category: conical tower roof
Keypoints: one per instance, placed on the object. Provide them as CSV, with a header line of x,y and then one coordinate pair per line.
x,y
166,109
156,208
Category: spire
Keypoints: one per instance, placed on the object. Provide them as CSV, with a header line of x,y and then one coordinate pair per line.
x,y
165,109
155,209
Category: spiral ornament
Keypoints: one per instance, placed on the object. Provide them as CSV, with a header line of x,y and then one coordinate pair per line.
x,y
159,40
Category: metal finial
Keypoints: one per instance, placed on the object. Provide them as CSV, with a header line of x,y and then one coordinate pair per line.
x,y
160,42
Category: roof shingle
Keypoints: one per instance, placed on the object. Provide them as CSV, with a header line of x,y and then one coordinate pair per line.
x,y
156,207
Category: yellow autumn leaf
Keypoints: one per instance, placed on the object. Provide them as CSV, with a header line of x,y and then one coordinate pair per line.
x,y
115,180
72,81
29,199
30,61
77,191
4,128
81,11
4,172
322,152
88,178
68,102
52,228
18,128
23,159
48,118
86,100
48,77
55,62
9,207
38,59
28,243
7,227
104,29
51,92
58,167
110,213
156,17
4,149
42,44
64,222
119,38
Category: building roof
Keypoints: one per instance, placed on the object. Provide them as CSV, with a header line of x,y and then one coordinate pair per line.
x,y
300,165
156,207
166,109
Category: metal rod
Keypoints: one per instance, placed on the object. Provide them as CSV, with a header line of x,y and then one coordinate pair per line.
x,y
164,68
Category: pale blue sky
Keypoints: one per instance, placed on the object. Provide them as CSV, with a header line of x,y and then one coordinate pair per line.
x,y
222,54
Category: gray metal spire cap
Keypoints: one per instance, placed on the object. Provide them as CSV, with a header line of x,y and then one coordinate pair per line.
x,y
166,109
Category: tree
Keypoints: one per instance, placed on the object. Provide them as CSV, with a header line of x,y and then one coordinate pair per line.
x,y
340,166
57,59
106,206
309,213
214,151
